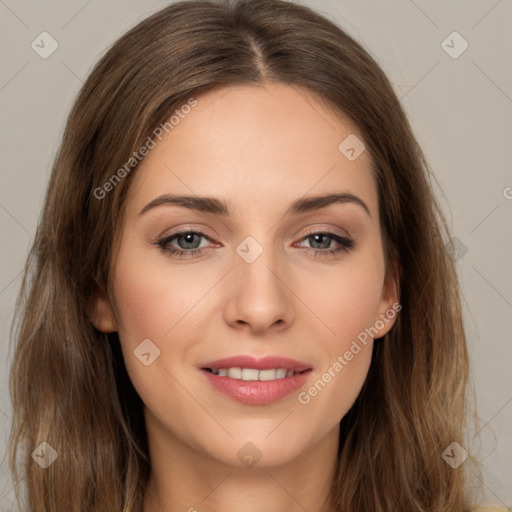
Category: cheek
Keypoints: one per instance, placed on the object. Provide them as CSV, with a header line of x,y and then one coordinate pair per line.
x,y
347,301
157,304
347,305
154,300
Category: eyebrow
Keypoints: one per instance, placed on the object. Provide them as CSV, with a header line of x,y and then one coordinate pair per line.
x,y
220,207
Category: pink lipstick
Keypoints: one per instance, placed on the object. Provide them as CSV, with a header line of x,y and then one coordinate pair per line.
x,y
256,381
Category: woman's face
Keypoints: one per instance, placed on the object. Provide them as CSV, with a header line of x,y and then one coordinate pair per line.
x,y
258,281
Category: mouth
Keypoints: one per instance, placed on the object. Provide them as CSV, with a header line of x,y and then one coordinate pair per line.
x,y
254,381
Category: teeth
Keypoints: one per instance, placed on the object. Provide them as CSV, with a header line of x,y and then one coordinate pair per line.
x,y
267,375
249,374
280,373
252,374
235,373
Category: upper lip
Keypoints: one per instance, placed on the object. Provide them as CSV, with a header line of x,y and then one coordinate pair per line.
x,y
261,363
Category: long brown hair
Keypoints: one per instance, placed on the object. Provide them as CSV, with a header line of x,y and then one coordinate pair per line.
x,y
69,385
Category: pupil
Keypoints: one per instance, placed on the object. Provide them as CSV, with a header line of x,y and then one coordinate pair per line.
x,y
187,238
321,236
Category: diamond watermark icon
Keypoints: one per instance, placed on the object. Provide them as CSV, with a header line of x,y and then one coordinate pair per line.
x,y
45,455
249,455
459,249
454,455
351,147
44,45
147,352
249,250
454,45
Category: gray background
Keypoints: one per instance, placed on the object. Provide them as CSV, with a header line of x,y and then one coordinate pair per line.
x,y
460,109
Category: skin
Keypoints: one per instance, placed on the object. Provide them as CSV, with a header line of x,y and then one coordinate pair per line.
x,y
258,148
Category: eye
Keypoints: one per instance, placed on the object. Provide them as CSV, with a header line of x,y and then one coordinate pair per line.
x,y
188,243
322,243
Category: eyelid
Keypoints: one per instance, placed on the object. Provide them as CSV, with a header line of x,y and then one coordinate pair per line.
x,y
330,230
186,228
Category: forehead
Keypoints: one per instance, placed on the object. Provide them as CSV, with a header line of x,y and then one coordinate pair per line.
x,y
256,145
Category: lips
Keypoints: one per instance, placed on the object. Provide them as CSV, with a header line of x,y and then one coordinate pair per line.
x,y
256,392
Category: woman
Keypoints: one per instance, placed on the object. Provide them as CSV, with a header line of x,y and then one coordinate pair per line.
x,y
239,296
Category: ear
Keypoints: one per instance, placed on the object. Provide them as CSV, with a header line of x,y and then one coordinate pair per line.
x,y
102,315
389,305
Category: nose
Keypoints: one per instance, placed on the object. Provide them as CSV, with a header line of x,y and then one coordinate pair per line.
x,y
259,294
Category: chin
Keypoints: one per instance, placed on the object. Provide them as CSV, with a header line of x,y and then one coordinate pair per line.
x,y
259,451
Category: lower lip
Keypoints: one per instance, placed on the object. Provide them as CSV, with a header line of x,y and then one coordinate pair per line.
x,y
257,392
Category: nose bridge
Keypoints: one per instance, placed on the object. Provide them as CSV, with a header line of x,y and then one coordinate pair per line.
x,y
259,295
256,263
255,260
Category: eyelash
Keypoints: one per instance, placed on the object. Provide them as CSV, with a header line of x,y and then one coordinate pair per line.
x,y
346,244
